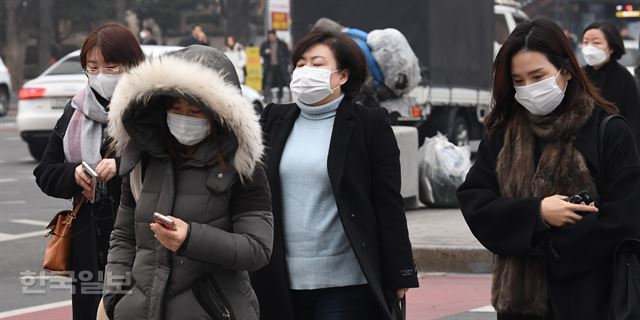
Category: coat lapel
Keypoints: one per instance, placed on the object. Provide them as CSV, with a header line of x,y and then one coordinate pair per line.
x,y
339,147
279,133
282,128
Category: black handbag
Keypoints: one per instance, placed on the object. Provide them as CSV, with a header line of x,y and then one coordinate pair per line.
x,y
625,291
211,298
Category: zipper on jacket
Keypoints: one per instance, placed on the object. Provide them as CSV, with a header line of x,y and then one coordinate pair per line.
x,y
228,312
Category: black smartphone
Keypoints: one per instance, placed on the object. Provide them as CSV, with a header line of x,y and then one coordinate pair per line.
x,y
582,197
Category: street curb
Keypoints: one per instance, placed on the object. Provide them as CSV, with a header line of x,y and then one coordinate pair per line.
x,y
456,260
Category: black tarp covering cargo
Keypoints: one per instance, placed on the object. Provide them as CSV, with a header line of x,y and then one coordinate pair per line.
x,y
453,39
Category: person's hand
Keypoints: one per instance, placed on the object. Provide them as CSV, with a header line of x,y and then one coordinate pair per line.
x,y
171,239
106,169
83,181
557,212
401,292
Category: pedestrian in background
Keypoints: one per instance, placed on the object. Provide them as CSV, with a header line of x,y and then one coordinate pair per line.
x,y
197,36
602,47
146,37
275,59
235,52
341,245
203,38
625,33
79,135
553,259
573,39
181,120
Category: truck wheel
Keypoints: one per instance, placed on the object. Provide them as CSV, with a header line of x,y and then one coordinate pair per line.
x,y
4,102
459,132
36,150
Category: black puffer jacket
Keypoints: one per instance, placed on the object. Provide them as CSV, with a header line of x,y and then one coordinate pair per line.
x,y
226,203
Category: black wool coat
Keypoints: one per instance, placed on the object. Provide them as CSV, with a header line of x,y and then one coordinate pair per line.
x,y
617,85
364,170
94,222
579,257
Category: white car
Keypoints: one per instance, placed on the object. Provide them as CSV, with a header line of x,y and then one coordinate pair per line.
x,y
42,100
5,88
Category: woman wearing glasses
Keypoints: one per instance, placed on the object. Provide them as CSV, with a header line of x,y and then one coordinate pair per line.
x,y
80,136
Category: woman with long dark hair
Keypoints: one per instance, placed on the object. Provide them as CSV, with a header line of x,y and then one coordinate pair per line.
x,y
553,258
80,135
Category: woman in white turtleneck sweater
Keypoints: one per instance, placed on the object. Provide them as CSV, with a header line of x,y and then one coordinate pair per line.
x,y
341,246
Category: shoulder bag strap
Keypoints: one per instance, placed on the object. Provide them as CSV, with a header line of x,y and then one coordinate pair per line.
x,y
77,207
600,145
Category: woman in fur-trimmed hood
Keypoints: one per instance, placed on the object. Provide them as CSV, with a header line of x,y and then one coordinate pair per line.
x,y
191,149
545,142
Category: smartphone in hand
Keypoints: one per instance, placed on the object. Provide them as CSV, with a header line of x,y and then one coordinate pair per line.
x,y
582,197
164,221
93,177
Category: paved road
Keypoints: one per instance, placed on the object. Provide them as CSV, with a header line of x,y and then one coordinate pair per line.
x,y
24,210
440,296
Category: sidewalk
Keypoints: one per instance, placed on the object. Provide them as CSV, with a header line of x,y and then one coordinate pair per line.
x,y
442,242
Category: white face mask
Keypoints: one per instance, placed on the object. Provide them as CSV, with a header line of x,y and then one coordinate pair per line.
x,y
594,56
104,84
310,85
188,131
542,97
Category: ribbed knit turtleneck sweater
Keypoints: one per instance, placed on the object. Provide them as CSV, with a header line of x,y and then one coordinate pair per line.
x,y
317,250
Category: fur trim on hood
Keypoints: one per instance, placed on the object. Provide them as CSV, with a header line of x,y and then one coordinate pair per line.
x,y
190,75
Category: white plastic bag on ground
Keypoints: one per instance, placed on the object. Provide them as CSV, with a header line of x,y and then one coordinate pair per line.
x,y
396,59
443,167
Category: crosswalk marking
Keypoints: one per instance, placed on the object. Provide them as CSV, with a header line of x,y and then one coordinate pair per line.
x,y
43,307
9,237
31,222
13,202
46,277
39,223
488,308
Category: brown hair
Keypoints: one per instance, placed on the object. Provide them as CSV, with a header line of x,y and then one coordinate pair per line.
x,y
347,53
116,43
546,37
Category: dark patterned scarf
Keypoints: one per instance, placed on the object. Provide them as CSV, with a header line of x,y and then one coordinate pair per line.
x,y
519,282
